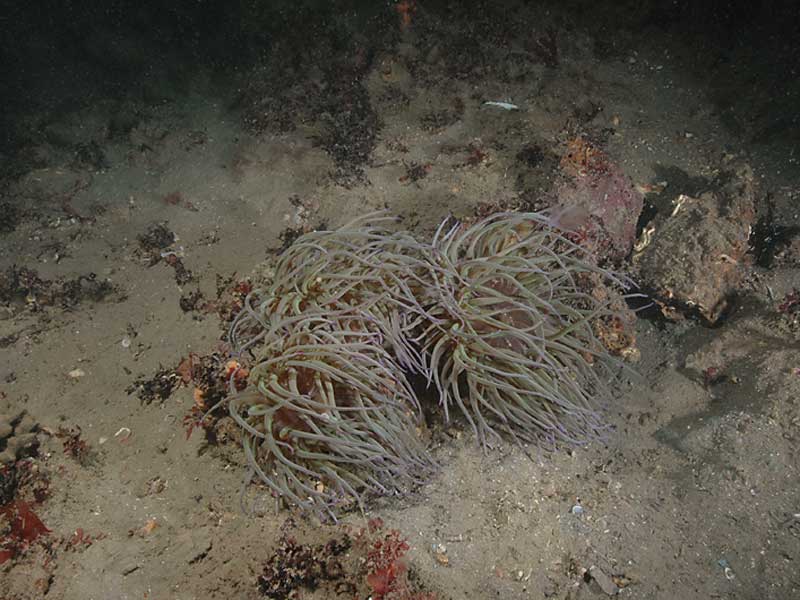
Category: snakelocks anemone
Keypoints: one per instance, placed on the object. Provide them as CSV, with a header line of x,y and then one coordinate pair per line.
x,y
511,342
330,416
497,317
363,267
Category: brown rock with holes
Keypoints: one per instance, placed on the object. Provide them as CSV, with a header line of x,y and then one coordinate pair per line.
x,y
694,260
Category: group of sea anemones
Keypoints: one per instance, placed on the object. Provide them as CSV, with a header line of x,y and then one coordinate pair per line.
x,y
497,317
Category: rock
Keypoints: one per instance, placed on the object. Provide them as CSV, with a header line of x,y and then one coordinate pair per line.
x,y
19,443
548,490
603,581
694,259
26,425
17,436
597,202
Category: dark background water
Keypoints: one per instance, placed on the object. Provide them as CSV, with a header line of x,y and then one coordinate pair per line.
x,y
54,53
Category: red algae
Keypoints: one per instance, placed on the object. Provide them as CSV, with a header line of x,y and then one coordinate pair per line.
x,y
25,528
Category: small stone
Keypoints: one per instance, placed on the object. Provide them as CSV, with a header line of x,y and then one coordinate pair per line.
x,y
26,425
76,373
604,581
454,433
440,554
154,486
18,443
549,490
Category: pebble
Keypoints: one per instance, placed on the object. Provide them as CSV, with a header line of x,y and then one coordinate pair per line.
x,y
548,490
440,554
604,581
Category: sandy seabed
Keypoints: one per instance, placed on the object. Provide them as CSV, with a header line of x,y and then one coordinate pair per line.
x,y
694,495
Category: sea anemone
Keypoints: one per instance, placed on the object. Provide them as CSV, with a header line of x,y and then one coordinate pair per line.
x,y
363,267
329,416
497,316
511,342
